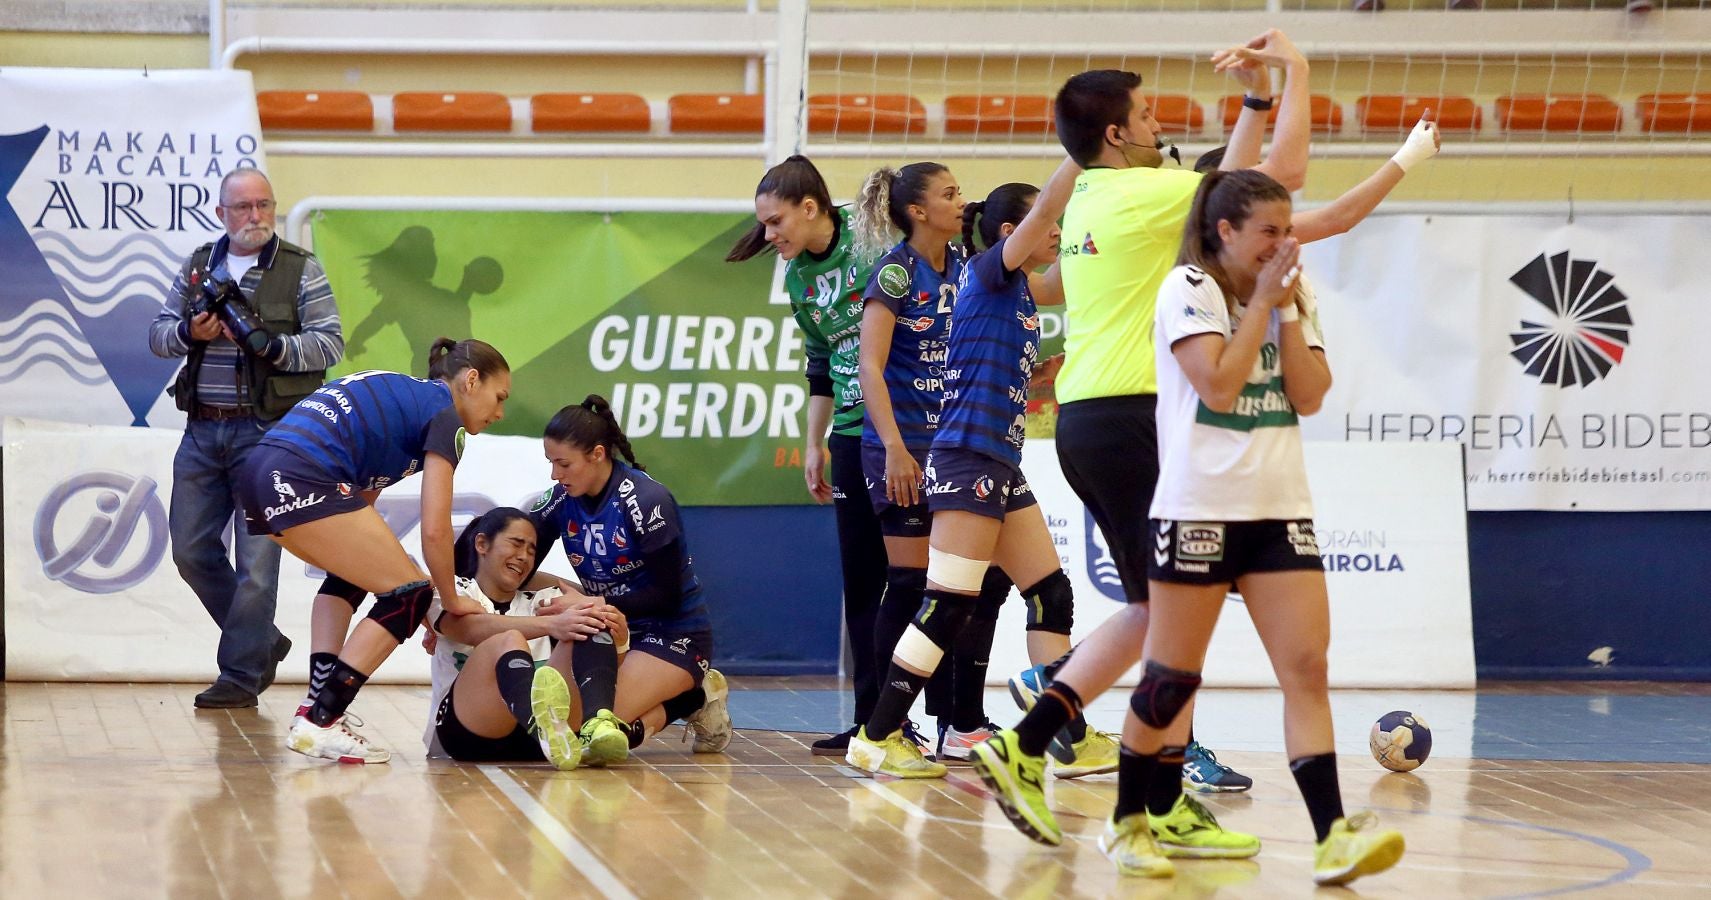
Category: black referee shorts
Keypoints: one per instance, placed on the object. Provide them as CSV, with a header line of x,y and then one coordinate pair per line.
x,y
1108,449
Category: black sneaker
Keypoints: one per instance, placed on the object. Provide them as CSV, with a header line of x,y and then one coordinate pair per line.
x,y
836,745
225,695
281,649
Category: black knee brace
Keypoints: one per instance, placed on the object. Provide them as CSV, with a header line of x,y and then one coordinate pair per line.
x,y
335,586
994,590
943,615
1051,604
401,609
1162,694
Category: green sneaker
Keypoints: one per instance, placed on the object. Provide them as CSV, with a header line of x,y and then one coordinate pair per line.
x,y
1355,847
549,701
1189,831
896,756
1017,782
1095,754
1130,845
604,741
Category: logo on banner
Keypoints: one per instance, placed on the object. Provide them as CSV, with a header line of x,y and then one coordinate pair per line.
x,y
126,510
1101,566
1586,332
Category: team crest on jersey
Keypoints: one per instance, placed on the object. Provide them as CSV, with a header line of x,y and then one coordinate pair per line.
x,y
983,487
815,316
343,489
1087,247
541,503
620,539
1029,323
894,280
576,559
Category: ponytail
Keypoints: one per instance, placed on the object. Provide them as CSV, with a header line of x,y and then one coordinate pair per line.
x,y
591,424
448,358
874,232
970,212
1227,197
792,181
1008,204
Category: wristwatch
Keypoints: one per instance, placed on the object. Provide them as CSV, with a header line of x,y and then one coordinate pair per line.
x,y
1262,104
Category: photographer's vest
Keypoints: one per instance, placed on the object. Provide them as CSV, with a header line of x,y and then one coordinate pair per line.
x,y
272,391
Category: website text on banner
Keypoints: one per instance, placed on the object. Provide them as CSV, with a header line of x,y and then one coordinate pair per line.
x,y
1566,357
108,179
1393,531
91,592
702,365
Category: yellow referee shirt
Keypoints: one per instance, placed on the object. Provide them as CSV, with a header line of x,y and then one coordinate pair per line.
x,y
1121,234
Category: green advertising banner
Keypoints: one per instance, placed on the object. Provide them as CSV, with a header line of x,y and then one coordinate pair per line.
x,y
704,369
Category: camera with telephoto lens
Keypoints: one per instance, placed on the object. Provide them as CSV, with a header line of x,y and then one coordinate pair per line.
x,y
223,299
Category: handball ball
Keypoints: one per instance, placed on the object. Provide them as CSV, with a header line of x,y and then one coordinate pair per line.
x,y
1400,741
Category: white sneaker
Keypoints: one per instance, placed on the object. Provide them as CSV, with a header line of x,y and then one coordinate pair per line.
x,y
336,742
711,724
959,745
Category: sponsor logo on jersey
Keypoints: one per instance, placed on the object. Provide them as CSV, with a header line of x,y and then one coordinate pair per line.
x,y
656,519
283,488
626,488
1029,323
313,499
1199,541
541,503
343,489
921,324
983,487
576,559
1190,311
462,436
620,539
571,528
1303,539
894,280
681,645
815,316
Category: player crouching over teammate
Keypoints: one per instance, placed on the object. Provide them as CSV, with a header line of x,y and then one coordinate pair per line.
x,y
624,537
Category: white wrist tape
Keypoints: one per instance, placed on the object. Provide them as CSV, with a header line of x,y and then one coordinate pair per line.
x,y
1421,145
1288,313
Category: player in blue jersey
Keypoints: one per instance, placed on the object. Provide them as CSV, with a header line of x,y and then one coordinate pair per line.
x,y
310,484
624,537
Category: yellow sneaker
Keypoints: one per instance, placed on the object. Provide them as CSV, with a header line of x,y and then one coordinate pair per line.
x,y
1356,847
1189,831
604,741
1130,845
1095,754
896,756
549,701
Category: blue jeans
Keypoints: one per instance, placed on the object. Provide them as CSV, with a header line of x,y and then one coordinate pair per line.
x,y
241,601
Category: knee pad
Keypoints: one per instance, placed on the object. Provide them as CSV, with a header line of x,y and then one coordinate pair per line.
x,y
335,586
901,579
994,590
1162,694
1051,604
940,619
953,572
401,609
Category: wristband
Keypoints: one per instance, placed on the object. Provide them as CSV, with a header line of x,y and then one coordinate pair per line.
x,y
1260,104
1288,313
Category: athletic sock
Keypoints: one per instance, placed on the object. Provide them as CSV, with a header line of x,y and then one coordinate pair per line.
x,y
595,662
970,657
895,698
1056,706
1316,776
684,705
1134,777
1166,781
515,672
636,732
320,666
336,694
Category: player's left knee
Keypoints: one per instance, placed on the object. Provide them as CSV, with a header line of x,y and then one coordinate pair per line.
x,y
401,609
1051,604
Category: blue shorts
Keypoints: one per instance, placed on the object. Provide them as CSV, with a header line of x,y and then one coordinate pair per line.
x,y
691,651
279,489
974,482
894,521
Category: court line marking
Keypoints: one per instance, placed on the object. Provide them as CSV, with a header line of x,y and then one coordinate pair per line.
x,y
580,858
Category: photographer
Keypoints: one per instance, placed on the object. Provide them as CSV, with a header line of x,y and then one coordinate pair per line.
x,y
255,319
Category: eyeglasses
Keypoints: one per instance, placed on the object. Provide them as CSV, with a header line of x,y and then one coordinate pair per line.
x,y
245,208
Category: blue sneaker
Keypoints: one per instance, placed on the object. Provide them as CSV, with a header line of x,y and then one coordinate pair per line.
x,y
1202,772
1025,688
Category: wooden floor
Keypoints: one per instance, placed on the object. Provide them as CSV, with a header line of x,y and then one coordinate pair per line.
x,y
127,791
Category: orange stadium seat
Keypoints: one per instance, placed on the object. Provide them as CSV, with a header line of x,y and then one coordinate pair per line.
x,y
1399,112
315,110
1559,112
717,113
1675,112
1325,114
557,113
863,113
434,111
1179,112
998,114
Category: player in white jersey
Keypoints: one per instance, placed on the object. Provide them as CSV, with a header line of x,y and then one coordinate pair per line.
x,y
1232,507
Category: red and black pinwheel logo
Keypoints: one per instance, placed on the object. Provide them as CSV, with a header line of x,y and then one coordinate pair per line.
x,y
1586,329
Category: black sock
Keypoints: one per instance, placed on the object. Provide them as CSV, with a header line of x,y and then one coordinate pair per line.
x,y
969,659
1166,783
320,666
1076,730
940,694
515,672
895,698
1057,705
684,705
336,694
1316,776
1134,778
904,590
1056,665
636,732
595,662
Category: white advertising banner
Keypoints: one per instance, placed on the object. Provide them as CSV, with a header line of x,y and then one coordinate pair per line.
x,y
1393,530
91,590
1562,355
108,179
